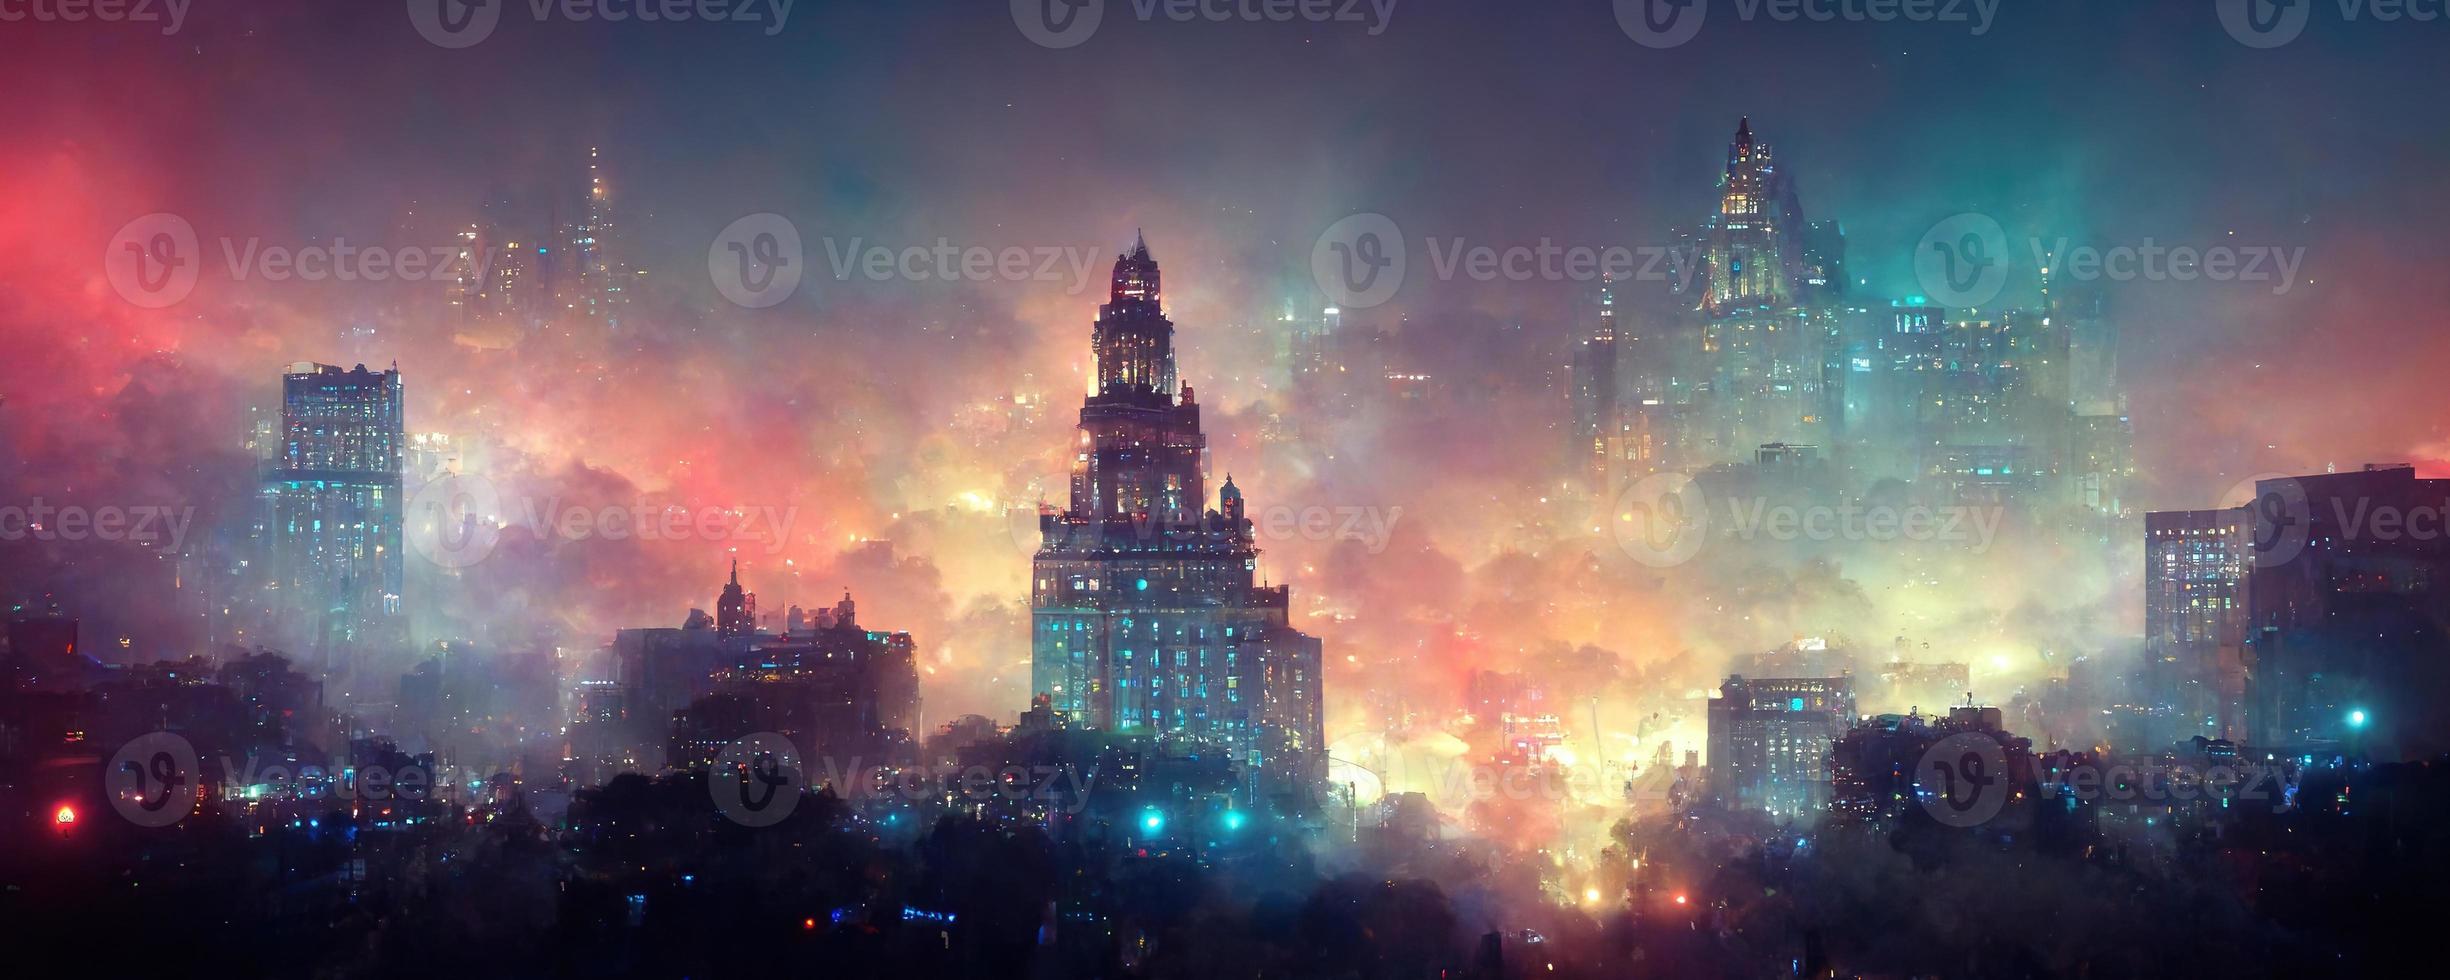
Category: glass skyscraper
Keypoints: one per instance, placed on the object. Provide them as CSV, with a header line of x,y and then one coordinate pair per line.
x,y
333,536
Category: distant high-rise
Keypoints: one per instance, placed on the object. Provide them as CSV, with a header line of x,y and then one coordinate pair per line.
x,y
1310,345
1763,284
1598,424
333,536
1145,615
603,279
2196,564
1770,740
1752,253
1824,259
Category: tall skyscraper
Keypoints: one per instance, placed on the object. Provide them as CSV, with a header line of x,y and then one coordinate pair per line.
x,y
2195,574
1597,422
603,279
1752,253
333,536
1145,613
1763,287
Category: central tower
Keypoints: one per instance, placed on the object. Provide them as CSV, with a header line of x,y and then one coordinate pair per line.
x,y
1144,613
1141,456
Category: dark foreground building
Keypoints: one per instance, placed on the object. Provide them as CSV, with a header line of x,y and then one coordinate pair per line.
x,y
2312,616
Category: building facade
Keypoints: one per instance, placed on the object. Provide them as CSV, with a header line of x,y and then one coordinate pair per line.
x,y
2348,608
1146,616
333,496
1770,739
2196,564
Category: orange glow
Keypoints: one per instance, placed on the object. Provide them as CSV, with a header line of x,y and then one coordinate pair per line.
x,y
66,815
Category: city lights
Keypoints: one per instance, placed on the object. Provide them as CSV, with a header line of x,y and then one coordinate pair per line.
x,y
1070,489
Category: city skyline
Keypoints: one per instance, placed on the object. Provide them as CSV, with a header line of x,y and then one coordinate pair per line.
x,y
1189,487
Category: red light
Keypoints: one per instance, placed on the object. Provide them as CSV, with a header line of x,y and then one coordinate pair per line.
x,y
66,815
1679,899
809,924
